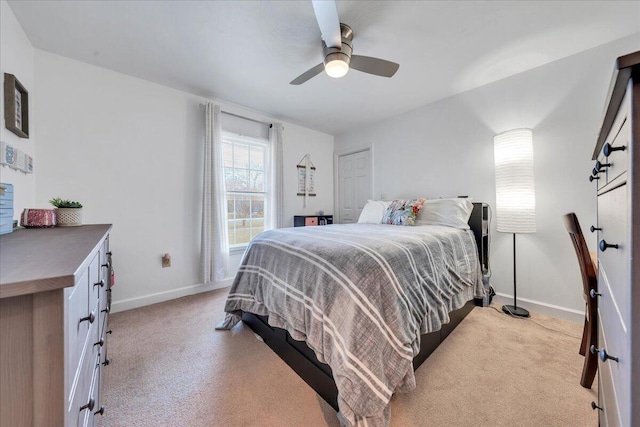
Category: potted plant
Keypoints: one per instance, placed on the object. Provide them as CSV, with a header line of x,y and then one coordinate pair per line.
x,y
68,213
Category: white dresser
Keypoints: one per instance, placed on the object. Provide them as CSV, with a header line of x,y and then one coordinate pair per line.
x,y
54,304
617,173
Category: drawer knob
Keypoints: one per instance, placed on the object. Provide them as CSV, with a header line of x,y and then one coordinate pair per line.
x,y
109,253
101,411
592,178
110,331
106,362
608,149
593,293
89,405
100,343
107,264
91,317
602,353
100,283
595,171
106,310
595,229
600,166
604,245
594,406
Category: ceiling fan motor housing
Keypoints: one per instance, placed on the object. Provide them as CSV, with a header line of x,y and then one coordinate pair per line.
x,y
342,53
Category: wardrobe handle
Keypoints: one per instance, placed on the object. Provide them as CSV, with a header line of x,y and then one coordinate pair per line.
x,y
594,406
595,228
591,178
100,343
595,171
593,293
599,166
106,310
91,317
608,149
604,245
101,410
100,283
89,405
602,353
106,362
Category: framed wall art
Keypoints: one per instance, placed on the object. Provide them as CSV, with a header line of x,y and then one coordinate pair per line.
x,y
16,106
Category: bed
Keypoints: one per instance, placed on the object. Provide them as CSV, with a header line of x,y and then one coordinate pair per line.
x,y
354,309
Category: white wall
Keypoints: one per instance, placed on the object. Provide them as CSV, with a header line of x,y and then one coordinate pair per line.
x,y
17,58
446,149
131,152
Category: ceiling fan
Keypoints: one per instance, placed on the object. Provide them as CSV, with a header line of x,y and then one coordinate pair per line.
x,y
337,47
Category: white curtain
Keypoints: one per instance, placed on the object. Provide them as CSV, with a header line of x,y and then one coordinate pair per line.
x,y
276,194
214,241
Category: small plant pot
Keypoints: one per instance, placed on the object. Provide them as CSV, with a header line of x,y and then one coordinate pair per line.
x,y
69,217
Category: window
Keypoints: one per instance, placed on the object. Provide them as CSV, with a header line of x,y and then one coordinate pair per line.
x,y
246,181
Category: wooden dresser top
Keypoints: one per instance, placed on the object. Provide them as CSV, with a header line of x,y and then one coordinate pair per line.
x,y
41,259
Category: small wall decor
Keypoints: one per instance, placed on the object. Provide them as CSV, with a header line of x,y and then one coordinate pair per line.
x,y
306,172
15,158
19,162
16,106
7,154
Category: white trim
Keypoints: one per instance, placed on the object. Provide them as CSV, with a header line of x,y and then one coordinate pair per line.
x,y
142,301
542,308
336,175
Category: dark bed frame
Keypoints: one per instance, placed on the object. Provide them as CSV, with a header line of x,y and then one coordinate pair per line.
x,y
318,375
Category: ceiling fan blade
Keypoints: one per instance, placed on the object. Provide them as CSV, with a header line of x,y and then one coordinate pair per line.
x,y
379,67
328,21
308,74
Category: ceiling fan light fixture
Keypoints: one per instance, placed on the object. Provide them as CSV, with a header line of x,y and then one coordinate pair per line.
x,y
336,68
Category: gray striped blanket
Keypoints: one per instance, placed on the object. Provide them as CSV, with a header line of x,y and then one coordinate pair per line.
x,y
360,295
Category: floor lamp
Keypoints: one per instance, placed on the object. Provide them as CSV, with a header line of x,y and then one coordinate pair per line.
x,y
515,193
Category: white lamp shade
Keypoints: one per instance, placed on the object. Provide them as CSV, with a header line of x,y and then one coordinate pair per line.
x,y
515,187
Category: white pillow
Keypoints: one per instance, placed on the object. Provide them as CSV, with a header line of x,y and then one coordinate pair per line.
x,y
449,212
373,212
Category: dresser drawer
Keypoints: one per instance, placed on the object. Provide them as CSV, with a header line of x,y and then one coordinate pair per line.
x,y
610,415
6,203
6,225
85,403
76,330
6,214
310,221
94,280
613,220
8,193
619,159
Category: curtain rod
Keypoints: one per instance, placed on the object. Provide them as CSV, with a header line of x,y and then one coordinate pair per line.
x,y
242,117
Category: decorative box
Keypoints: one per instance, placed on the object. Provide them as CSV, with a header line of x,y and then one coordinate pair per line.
x,y
38,218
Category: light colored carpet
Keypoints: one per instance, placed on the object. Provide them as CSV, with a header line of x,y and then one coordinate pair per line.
x,y
169,367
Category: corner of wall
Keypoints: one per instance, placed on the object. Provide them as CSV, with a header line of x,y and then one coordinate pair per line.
x,y
17,58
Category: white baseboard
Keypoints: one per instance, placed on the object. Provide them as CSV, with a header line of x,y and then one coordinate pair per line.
x,y
542,308
500,298
131,303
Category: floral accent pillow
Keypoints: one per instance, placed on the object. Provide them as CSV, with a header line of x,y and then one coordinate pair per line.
x,y
402,212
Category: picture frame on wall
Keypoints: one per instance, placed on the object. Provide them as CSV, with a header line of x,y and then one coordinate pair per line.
x,y
16,106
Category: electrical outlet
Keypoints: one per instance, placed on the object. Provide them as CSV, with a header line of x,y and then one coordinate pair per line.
x,y
166,260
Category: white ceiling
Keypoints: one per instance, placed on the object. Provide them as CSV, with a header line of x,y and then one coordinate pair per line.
x,y
247,52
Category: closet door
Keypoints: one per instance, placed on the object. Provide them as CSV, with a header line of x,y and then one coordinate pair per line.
x,y
354,185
